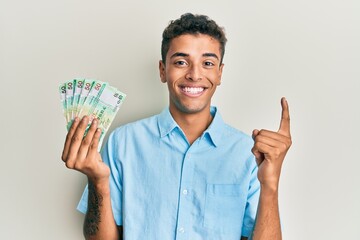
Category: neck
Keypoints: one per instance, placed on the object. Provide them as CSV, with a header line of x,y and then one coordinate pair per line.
x,y
192,124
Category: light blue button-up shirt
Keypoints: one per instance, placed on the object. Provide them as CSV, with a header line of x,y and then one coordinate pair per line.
x,y
163,188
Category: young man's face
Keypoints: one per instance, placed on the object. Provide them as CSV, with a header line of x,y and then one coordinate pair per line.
x,y
192,72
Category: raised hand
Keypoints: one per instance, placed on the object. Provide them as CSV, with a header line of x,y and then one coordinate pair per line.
x,y
270,149
81,153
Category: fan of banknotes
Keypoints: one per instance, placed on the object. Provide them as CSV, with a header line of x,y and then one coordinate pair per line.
x,y
96,99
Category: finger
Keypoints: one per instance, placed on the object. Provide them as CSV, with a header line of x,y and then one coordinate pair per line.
x,y
270,141
259,157
255,133
273,135
84,148
263,148
93,149
68,138
76,139
284,128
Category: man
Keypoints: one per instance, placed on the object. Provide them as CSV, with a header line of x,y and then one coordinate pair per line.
x,y
182,174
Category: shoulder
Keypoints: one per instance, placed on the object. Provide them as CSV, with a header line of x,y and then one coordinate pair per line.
x,y
238,144
138,127
233,134
133,139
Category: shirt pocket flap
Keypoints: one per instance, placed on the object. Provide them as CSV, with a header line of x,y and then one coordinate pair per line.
x,y
224,189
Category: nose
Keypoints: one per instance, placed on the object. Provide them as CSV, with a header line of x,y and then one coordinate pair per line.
x,y
194,73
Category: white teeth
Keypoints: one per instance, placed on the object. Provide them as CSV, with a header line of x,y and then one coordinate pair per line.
x,y
193,90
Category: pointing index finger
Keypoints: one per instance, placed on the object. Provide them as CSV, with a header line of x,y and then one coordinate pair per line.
x,y
284,128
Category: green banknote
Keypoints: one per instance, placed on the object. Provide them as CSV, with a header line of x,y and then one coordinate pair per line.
x,y
84,93
78,85
69,96
92,98
62,90
106,108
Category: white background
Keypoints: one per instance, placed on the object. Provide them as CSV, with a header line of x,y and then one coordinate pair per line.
x,y
305,50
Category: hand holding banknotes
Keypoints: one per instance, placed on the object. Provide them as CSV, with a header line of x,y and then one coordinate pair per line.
x,y
89,107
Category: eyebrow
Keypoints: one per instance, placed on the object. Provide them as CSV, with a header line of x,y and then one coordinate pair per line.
x,y
211,55
181,54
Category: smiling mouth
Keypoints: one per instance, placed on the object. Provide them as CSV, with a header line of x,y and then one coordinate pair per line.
x,y
192,90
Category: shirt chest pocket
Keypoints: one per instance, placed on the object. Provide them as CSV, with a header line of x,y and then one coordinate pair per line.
x,y
224,208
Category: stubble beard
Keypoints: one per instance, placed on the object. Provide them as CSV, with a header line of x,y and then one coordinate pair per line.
x,y
183,108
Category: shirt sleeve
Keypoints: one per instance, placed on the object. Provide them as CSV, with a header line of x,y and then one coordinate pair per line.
x,y
252,203
109,155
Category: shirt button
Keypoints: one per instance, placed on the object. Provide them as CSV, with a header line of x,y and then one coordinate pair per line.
x,y
181,230
185,191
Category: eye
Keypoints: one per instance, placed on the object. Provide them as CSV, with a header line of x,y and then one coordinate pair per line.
x,y
209,64
180,63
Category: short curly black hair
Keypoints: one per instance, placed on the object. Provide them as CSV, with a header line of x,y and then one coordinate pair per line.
x,y
192,24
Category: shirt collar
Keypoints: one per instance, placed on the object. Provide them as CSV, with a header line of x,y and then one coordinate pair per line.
x,y
167,124
216,128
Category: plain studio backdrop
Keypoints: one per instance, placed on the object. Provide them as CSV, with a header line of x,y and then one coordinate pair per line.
x,y
305,50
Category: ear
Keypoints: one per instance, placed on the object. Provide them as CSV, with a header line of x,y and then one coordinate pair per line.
x,y
162,71
220,74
